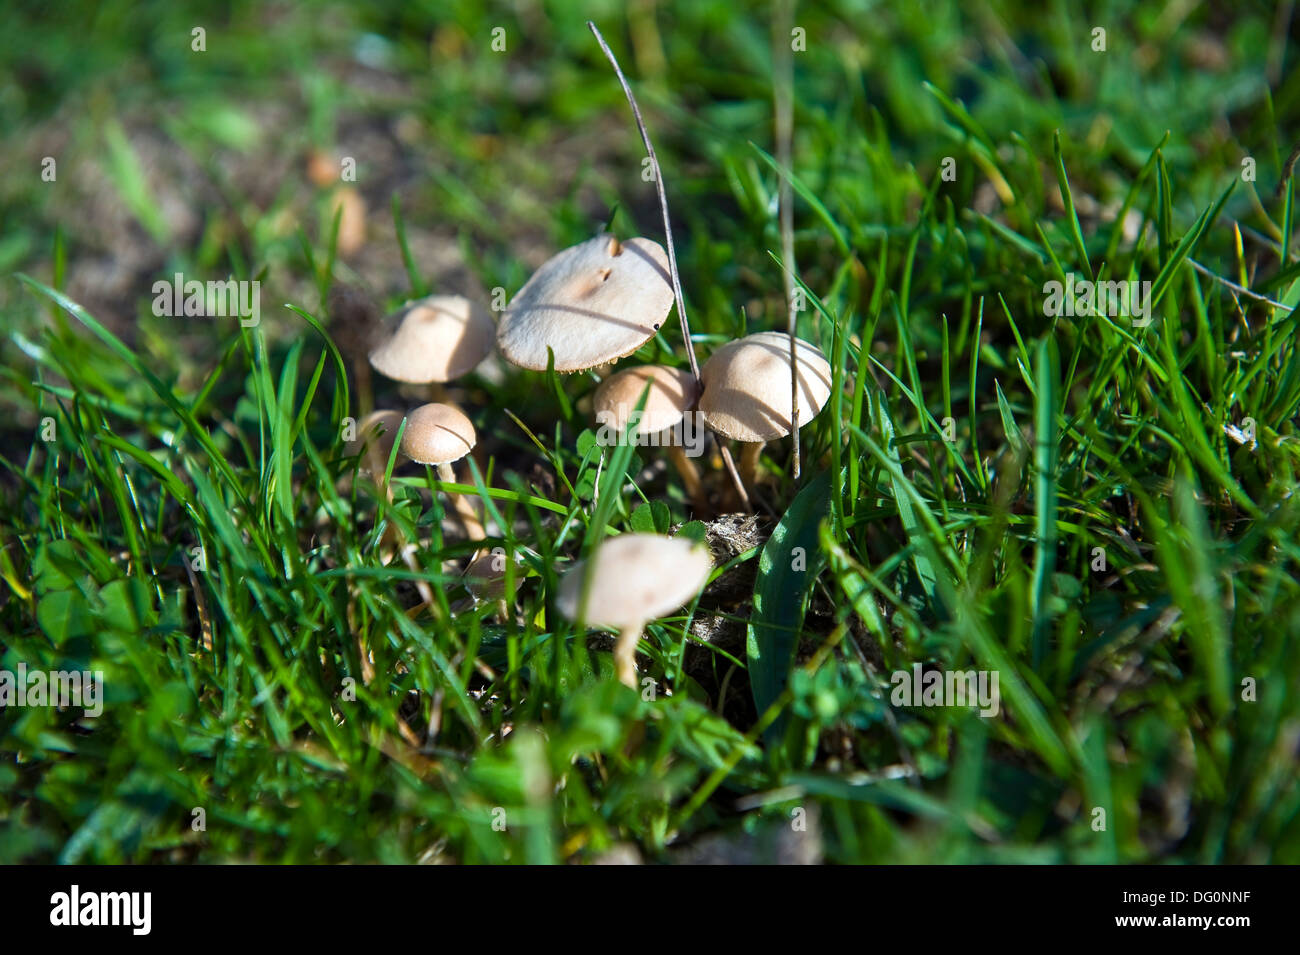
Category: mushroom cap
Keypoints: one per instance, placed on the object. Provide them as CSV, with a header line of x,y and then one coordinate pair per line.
x,y
593,303
747,386
635,578
376,435
438,338
482,578
672,392
437,434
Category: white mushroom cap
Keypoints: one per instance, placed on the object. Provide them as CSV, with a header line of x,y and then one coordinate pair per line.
x,y
437,434
635,578
592,304
747,386
376,434
438,338
671,395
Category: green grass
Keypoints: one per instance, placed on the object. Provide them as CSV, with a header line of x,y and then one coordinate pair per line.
x,y
238,688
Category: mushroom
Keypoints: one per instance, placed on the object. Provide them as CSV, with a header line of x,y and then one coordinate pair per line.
x,y
668,401
591,304
485,577
439,435
354,326
485,580
628,581
437,339
347,204
747,391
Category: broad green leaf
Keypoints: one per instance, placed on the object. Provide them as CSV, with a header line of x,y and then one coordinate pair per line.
x,y
789,563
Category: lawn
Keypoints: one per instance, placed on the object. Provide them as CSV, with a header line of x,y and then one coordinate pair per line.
x,y
1086,499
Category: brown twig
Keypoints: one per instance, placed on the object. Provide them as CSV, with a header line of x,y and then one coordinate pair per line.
x,y
782,88
668,237
1239,289
663,201
735,477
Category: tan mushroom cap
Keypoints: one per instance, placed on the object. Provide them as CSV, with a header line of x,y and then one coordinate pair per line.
x,y
671,396
437,434
484,579
593,303
635,578
376,433
438,338
747,386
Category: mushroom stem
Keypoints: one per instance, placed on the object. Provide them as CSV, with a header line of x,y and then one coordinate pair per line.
x,y
469,518
365,389
625,655
749,455
689,472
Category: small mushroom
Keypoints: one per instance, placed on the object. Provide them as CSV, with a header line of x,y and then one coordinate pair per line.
x,y
485,577
747,392
323,169
485,580
347,204
591,304
628,581
440,435
354,326
437,339
671,395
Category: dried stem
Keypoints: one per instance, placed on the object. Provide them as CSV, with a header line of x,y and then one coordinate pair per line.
x,y
668,237
735,478
782,87
663,202
1239,289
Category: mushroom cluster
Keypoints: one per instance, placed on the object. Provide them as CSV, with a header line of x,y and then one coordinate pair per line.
x,y
599,301
583,310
